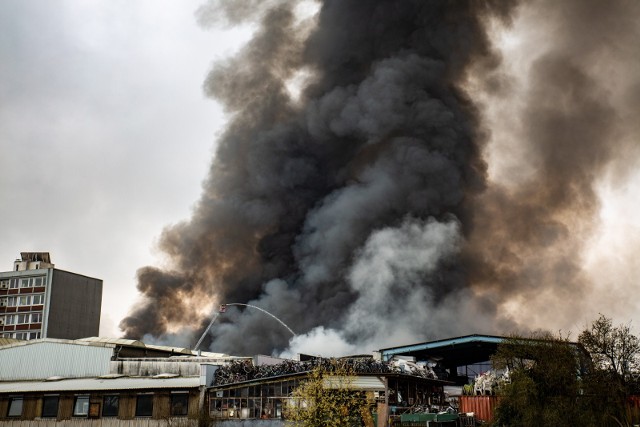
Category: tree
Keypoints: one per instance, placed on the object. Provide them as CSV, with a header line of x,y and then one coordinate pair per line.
x,y
326,398
544,382
558,382
612,348
614,352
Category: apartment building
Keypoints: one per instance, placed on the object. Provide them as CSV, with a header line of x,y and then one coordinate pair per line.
x,y
38,300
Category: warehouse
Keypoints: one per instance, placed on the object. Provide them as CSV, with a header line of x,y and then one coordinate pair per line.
x,y
98,381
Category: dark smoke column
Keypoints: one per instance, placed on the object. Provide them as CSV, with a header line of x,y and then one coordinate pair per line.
x,y
343,210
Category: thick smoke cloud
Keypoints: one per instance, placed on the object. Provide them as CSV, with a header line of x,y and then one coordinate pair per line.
x,y
361,211
567,114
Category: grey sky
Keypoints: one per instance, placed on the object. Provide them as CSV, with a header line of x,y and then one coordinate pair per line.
x,y
105,134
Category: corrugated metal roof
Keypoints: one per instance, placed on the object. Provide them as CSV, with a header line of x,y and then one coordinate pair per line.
x,y
19,343
140,344
116,341
184,351
46,358
111,343
442,343
97,384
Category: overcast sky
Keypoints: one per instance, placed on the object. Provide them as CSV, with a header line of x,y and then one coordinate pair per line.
x,y
105,134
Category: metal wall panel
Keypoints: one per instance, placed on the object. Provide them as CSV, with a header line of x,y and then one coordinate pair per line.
x,y
483,407
25,362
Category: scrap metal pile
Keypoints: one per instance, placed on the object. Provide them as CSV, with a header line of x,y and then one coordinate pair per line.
x,y
487,383
245,370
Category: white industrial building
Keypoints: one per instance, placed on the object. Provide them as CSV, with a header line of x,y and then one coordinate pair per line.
x,y
102,382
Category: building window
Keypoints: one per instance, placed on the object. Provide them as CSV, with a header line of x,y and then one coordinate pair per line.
x,y
50,406
21,335
81,406
39,281
10,319
25,283
11,301
24,300
15,406
37,299
34,335
179,404
144,405
21,319
36,317
14,283
110,405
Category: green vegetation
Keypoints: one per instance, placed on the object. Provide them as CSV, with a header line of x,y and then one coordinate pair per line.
x,y
544,382
559,383
614,351
326,398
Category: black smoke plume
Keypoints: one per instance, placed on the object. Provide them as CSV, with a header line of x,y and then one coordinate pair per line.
x,y
361,211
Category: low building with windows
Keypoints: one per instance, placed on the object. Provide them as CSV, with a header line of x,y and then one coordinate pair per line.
x,y
103,382
245,393
106,397
38,300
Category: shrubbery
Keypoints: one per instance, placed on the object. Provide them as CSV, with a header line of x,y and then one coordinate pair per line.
x,y
560,383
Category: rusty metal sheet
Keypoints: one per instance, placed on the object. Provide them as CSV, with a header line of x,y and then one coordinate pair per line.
x,y
483,407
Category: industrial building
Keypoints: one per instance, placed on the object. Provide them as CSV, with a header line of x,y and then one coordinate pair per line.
x,y
385,392
38,300
97,381
113,382
459,360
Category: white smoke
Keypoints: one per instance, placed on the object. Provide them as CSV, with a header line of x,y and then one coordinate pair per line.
x,y
389,276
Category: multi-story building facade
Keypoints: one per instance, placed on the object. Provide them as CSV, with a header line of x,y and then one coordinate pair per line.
x,y
40,301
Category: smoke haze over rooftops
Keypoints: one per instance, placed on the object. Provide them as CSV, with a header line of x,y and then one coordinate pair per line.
x,y
419,185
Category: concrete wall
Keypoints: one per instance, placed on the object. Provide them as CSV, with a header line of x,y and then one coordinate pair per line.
x,y
74,306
